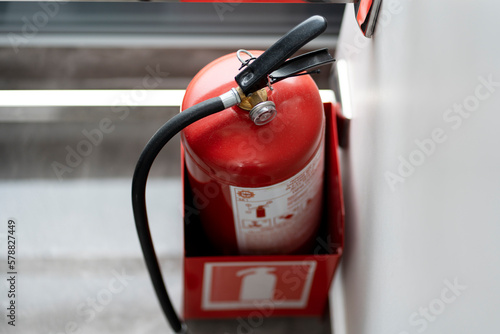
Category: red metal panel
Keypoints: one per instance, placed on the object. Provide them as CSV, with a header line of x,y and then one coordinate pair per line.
x,y
363,11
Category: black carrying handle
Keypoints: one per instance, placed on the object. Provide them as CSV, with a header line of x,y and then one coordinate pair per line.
x,y
254,76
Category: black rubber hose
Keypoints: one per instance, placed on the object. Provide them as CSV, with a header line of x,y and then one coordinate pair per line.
x,y
148,155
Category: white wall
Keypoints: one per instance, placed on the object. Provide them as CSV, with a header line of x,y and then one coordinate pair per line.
x,y
438,224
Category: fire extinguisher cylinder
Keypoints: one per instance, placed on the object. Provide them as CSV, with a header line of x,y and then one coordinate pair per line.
x,y
259,73
236,166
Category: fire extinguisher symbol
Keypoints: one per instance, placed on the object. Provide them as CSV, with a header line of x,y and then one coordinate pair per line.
x,y
260,212
257,284
244,285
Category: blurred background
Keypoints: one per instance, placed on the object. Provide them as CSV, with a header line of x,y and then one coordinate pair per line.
x,y
75,229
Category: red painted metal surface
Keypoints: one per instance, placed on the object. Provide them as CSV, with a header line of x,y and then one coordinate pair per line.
x,y
226,149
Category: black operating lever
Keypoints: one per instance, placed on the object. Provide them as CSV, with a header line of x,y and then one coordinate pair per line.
x,y
255,76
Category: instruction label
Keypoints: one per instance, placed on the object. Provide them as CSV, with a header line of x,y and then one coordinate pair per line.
x,y
279,218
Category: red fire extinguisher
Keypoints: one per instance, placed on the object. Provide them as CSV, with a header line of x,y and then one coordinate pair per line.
x,y
254,147
258,188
